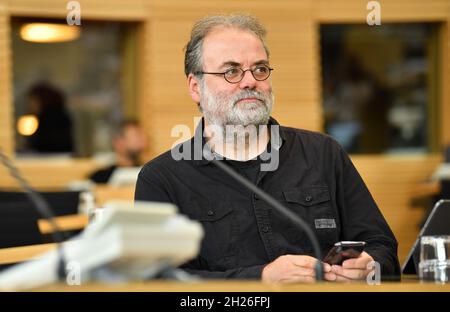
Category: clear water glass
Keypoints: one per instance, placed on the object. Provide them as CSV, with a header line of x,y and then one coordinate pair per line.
x,y
434,265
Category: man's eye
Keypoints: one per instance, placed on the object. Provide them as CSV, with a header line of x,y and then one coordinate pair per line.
x,y
261,69
232,72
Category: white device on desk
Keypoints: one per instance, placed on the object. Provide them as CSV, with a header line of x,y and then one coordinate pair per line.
x,y
126,241
123,176
442,172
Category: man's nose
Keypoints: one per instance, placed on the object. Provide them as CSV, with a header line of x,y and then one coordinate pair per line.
x,y
248,81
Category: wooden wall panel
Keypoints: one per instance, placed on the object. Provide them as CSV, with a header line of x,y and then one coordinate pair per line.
x,y
167,121
296,75
170,103
391,180
92,9
445,84
144,106
6,109
49,174
330,11
280,10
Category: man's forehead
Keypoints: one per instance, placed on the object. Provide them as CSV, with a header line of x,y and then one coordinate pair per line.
x,y
223,45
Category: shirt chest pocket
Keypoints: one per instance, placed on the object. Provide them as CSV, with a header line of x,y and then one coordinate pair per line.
x,y
308,196
220,230
314,205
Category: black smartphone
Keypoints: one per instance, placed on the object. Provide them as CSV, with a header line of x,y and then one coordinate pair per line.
x,y
344,250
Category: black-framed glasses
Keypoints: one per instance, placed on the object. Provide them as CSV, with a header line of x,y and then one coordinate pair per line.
x,y
236,74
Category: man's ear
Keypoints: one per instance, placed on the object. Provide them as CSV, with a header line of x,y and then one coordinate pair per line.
x,y
194,88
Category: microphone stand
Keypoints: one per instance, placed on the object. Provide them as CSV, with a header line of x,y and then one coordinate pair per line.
x,y
41,207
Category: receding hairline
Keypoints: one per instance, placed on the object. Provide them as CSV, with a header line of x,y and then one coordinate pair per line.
x,y
223,28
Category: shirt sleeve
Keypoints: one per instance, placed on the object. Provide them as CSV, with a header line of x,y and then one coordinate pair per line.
x,y
361,218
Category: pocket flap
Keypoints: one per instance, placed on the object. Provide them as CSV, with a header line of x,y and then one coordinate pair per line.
x,y
214,214
307,196
209,212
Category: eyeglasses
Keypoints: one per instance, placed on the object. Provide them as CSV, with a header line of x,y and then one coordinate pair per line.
x,y
236,74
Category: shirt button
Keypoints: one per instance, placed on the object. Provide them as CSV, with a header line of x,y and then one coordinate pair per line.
x,y
255,197
265,229
210,213
308,198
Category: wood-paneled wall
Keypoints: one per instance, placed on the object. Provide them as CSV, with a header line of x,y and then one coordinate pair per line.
x,y
392,182
6,107
49,173
293,37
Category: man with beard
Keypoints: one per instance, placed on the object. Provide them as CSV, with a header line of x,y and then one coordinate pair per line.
x,y
129,142
227,68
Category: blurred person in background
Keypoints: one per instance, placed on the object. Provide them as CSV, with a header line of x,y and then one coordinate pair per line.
x,y
54,132
129,142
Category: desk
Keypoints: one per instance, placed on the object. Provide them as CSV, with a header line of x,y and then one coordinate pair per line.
x,y
105,193
407,285
65,223
23,253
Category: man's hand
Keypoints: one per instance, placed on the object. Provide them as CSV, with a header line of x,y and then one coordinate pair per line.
x,y
351,269
293,269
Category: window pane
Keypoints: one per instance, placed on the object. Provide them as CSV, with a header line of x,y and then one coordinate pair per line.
x,y
74,88
379,86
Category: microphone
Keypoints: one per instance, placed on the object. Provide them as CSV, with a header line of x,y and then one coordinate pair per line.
x,y
41,207
275,204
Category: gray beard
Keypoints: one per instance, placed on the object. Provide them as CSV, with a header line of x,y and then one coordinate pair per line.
x,y
221,111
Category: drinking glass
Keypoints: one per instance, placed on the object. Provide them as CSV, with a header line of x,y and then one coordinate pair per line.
x,y
434,262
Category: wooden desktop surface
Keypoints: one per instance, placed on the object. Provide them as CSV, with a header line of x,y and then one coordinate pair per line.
x,y
407,285
23,253
19,254
65,223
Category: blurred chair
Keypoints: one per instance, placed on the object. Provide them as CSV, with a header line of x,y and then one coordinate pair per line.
x,y
18,225
61,202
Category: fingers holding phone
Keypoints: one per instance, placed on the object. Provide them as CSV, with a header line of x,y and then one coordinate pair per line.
x,y
292,269
351,269
344,250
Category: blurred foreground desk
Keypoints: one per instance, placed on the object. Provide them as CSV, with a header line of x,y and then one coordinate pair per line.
x,y
407,285
23,253
65,223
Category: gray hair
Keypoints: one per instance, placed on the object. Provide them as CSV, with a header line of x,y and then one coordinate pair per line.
x,y
193,54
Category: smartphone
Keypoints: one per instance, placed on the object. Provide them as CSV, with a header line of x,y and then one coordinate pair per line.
x,y
344,250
